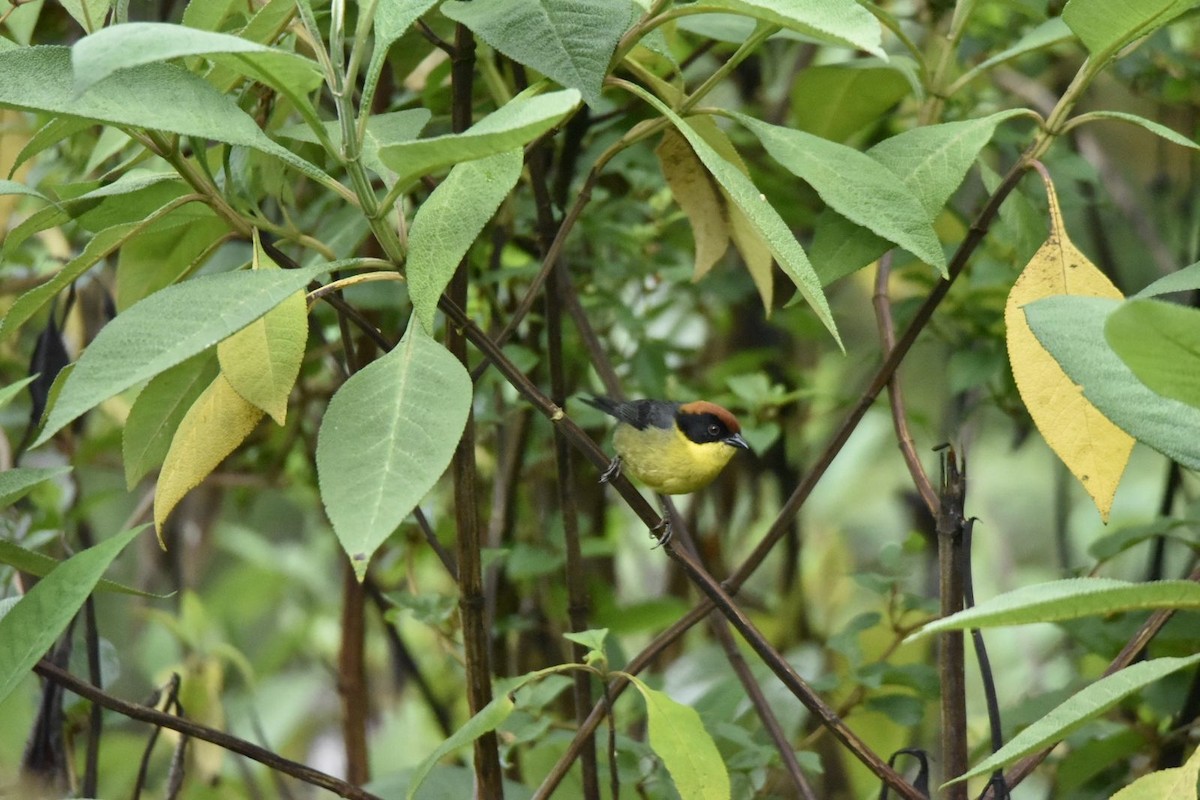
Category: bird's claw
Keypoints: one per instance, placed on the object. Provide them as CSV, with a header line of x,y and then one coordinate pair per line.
x,y
613,471
662,533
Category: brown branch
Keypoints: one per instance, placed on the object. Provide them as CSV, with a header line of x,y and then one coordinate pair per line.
x,y
188,728
951,652
352,678
887,337
475,633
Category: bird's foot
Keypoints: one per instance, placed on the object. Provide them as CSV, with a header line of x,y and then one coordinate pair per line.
x,y
613,471
662,532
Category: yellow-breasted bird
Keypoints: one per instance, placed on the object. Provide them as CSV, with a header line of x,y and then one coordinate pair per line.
x,y
673,448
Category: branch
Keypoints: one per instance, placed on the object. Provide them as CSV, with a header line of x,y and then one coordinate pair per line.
x,y
188,728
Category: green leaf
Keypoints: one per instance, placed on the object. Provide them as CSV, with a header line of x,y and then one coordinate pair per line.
x,y
1160,343
41,565
13,389
1049,32
835,101
568,41
166,328
450,220
391,127
392,19
50,134
1085,705
1105,26
678,737
488,719
742,191
158,410
88,13
1068,599
16,482
842,22
1156,128
1184,280
387,436
13,187
518,122
856,186
95,57
100,245
31,626
1072,331
931,162
146,96
165,252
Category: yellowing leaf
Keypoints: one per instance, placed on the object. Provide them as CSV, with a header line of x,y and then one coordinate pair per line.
x,y
1093,448
262,360
755,252
698,196
1179,782
213,427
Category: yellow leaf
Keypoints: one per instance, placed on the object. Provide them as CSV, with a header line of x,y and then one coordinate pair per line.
x,y
755,251
1093,448
1178,783
698,196
262,360
213,427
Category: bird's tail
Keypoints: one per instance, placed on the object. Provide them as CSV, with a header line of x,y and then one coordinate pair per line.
x,y
605,404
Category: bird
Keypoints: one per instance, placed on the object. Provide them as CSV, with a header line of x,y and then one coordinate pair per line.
x,y
672,448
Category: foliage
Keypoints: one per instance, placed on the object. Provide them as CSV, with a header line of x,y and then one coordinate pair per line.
x,y
310,285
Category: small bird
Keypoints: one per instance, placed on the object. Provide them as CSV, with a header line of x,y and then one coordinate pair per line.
x,y
673,448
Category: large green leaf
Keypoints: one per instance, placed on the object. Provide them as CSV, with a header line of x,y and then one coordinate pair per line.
x,y
678,737
518,122
166,328
387,436
569,41
167,251
1105,26
1087,704
31,626
95,57
1183,280
16,482
1160,343
856,186
931,162
1071,598
770,226
155,96
1072,330
449,221
842,22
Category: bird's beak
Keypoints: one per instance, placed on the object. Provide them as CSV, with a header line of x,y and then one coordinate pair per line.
x,y
737,441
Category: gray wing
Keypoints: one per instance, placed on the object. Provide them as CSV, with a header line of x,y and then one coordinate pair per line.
x,y
641,414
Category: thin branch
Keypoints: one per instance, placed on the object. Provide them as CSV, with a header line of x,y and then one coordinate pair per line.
x,y
887,336
188,728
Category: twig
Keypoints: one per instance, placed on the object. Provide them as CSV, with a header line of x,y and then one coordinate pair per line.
x,y
352,677
887,336
188,728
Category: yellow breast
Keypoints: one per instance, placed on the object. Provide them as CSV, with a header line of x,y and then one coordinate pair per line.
x,y
667,461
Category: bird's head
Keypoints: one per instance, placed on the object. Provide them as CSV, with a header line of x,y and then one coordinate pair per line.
x,y
703,422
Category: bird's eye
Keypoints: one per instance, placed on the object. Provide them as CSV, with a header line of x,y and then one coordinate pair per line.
x,y
714,430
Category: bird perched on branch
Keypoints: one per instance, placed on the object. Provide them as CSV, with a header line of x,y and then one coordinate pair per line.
x,y
673,448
